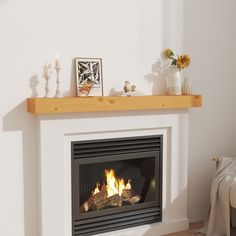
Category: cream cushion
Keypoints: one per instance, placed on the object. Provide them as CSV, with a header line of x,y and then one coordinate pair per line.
x,y
233,195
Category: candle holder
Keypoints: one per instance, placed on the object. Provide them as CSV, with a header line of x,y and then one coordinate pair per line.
x,y
58,91
47,76
47,87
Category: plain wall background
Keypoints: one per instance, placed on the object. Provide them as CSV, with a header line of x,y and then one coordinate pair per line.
x,y
209,37
11,182
129,36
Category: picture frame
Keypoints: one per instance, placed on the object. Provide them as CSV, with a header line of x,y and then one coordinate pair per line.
x,y
89,78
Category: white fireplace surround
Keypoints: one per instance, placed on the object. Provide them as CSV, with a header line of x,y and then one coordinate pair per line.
x,y
55,134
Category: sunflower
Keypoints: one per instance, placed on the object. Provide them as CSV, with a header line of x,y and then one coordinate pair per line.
x,y
180,62
183,61
168,53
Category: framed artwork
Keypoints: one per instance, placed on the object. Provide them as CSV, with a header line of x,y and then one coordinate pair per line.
x,y
89,76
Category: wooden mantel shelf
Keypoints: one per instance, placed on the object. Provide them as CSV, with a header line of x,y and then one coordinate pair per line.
x,y
104,104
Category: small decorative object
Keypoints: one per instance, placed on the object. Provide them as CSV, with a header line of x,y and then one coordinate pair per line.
x,y
127,87
58,68
186,87
89,76
47,73
177,64
133,88
130,90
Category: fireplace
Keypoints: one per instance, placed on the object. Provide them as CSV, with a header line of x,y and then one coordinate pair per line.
x,y
116,183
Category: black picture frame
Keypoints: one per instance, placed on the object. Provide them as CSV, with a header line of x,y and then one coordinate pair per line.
x,y
89,78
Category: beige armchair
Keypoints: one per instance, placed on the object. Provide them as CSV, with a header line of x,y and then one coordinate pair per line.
x,y
233,203
233,194
232,198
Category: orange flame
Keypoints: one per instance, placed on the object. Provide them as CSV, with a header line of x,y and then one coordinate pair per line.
x,y
96,190
113,185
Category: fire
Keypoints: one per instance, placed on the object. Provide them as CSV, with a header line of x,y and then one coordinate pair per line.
x,y
113,185
96,190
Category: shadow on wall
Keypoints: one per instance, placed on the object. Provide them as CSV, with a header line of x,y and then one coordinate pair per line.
x,y
34,82
19,120
158,77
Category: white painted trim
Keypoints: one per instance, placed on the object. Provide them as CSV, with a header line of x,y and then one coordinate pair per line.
x,y
55,136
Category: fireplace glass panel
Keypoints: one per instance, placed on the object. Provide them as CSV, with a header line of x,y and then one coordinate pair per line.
x,y
138,175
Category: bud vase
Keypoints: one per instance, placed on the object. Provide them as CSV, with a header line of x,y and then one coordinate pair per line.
x,y
174,86
186,87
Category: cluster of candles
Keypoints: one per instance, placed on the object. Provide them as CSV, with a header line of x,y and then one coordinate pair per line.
x,y
47,72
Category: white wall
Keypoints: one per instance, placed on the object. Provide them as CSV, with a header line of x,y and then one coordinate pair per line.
x,y
210,38
129,36
11,182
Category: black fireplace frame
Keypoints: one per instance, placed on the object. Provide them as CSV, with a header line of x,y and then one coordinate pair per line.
x,y
85,224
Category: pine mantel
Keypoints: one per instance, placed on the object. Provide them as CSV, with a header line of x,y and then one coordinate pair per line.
x,y
105,104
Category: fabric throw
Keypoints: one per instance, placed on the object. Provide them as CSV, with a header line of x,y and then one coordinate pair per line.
x,y
217,222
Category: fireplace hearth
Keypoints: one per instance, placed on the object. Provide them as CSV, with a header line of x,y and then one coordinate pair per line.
x,y
116,183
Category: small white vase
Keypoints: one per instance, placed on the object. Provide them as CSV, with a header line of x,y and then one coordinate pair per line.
x,y
174,86
186,87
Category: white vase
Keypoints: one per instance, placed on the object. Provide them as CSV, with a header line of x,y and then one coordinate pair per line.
x,y
186,87
174,86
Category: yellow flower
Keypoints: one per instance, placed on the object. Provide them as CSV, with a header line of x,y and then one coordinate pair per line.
x,y
183,61
168,53
180,62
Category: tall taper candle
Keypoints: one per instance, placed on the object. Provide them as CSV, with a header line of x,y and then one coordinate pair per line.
x,y
58,62
58,68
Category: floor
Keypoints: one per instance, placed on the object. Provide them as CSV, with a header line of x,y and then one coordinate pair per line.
x,y
192,230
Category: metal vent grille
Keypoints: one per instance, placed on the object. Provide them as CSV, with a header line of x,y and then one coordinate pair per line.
x,y
116,221
104,147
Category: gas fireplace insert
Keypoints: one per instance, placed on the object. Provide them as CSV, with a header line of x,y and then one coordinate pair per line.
x,y
116,183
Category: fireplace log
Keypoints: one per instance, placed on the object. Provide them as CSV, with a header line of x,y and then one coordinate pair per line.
x,y
134,199
113,201
100,200
128,195
94,200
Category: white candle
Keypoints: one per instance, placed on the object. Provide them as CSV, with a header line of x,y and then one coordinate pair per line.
x,y
58,62
47,70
